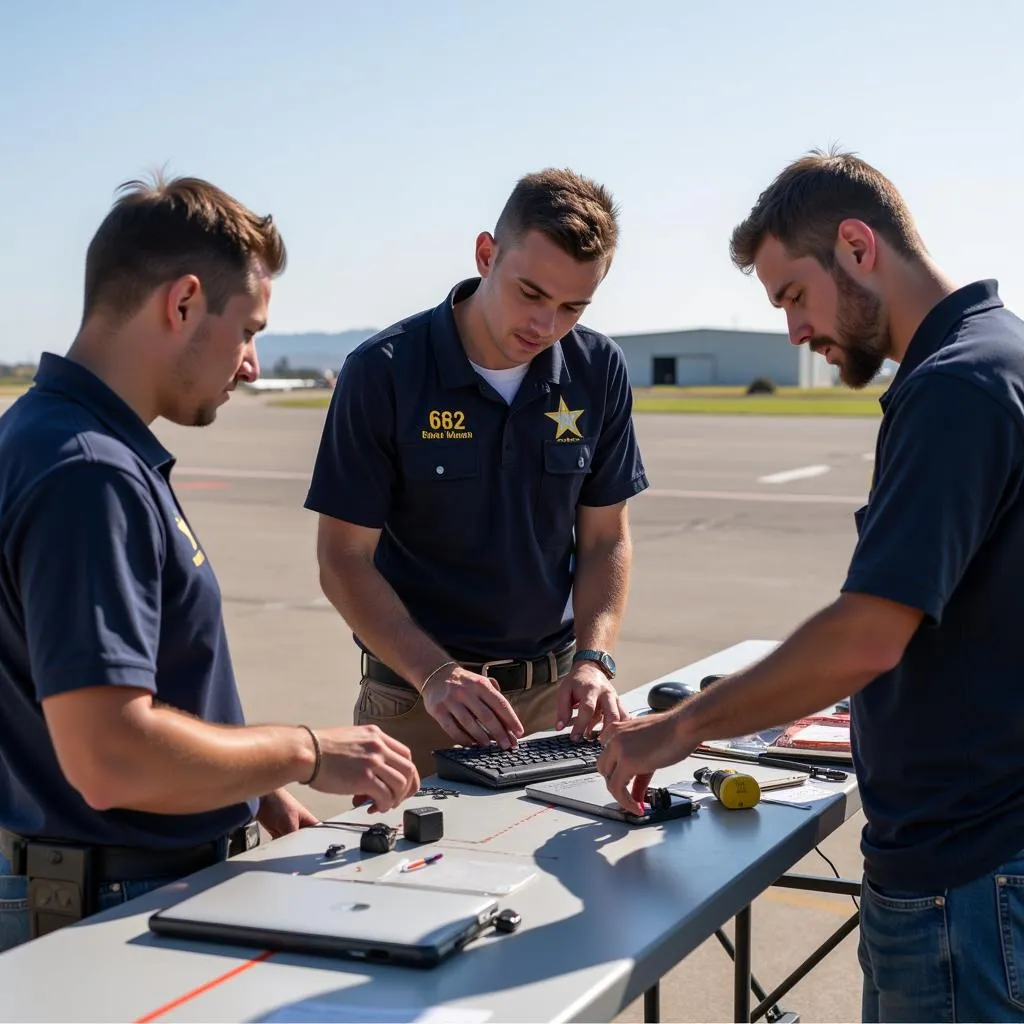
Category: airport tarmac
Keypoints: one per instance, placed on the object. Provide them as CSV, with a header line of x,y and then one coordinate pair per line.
x,y
747,529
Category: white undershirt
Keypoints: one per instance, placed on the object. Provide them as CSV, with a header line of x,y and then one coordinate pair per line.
x,y
505,382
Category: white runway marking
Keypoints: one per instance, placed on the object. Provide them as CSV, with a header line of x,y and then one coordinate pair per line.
x,y
759,496
868,456
279,606
658,492
803,473
241,474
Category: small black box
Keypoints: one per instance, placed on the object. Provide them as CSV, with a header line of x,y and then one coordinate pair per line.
x,y
423,824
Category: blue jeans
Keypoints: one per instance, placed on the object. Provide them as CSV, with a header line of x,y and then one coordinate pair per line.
x,y
14,925
955,955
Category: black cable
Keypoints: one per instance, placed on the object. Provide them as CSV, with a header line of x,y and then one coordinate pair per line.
x,y
817,850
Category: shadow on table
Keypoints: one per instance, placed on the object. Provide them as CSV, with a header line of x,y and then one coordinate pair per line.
x,y
666,905
597,934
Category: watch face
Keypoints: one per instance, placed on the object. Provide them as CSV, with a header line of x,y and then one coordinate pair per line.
x,y
602,658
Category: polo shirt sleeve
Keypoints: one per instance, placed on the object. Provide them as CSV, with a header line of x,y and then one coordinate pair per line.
x,y
617,469
354,473
87,555
951,461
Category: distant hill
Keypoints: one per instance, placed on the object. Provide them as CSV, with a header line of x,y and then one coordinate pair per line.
x,y
282,353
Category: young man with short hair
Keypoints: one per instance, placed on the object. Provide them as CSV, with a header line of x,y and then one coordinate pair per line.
x,y
472,483
122,739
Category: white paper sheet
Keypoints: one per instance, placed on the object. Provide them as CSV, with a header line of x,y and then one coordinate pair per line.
x,y
798,796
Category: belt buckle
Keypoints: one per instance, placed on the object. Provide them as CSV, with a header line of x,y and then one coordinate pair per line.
x,y
245,838
488,665
252,835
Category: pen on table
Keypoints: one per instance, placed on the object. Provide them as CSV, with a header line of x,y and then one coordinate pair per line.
x,y
422,862
816,771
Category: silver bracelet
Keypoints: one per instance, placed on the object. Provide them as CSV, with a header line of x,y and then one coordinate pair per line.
x,y
430,675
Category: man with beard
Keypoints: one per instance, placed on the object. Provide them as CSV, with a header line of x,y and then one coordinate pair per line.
x,y
925,633
125,762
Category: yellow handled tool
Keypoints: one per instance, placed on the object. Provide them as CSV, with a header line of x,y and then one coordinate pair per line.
x,y
733,789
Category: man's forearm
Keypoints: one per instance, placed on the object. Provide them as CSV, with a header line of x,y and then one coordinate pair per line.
x,y
376,614
826,659
165,762
600,589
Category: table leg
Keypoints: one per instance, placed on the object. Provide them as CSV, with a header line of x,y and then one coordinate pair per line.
x,y
740,952
741,974
652,1009
773,1013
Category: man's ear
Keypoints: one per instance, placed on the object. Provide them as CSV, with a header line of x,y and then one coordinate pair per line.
x,y
486,252
856,247
184,303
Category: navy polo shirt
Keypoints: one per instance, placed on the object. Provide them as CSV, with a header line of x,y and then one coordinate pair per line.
x,y
102,583
938,742
476,499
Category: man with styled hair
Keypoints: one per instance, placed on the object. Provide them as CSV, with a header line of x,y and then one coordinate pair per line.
x,y
925,633
125,762
471,486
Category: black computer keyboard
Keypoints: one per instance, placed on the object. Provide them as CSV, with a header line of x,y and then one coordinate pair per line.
x,y
548,757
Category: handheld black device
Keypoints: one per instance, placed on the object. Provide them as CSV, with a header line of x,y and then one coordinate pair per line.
x,y
662,804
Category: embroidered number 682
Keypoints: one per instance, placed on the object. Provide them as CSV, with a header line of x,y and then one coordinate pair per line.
x,y
446,419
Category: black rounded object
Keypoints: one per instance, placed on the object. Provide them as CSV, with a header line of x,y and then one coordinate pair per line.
x,y
663,696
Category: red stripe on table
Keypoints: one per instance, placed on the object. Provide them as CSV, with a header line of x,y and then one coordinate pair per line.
x,y
201,989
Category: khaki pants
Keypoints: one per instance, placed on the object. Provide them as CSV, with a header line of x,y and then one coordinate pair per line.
x,y
399,712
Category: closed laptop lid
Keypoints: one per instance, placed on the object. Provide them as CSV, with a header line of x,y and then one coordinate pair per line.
x,y
356,915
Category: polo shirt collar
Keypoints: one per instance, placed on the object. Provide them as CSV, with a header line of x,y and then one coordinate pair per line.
x,y
452,361
939,323
66,377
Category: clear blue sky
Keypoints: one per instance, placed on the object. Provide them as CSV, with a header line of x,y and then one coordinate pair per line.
x,y
384,135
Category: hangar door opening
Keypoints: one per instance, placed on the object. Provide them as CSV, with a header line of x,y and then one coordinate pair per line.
x,y
684,371
664,370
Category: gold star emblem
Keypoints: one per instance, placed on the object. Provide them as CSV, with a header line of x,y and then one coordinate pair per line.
x,y
565,418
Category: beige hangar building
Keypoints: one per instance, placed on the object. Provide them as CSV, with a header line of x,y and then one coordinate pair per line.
x,y
706,357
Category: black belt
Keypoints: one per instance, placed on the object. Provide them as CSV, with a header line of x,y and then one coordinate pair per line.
x,y
510,674
132,864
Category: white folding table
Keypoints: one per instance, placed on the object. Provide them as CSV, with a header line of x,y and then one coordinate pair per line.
x,y
611,909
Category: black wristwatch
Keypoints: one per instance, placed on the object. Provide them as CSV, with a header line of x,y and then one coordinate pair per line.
x,y
602,658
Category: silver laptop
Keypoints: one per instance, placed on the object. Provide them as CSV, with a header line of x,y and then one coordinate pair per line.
x,y
353,920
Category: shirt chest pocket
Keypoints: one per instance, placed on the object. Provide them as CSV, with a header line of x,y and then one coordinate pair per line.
x,y
440,462
441,481
566,465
